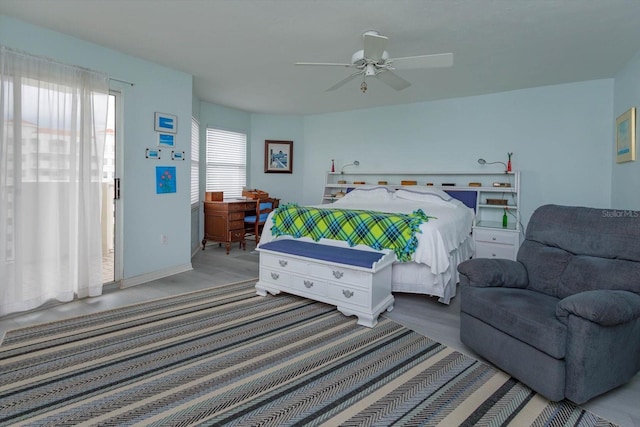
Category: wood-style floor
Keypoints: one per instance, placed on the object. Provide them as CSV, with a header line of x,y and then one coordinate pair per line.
x,y
212,267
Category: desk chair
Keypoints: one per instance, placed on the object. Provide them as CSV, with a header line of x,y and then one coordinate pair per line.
x,y
253,224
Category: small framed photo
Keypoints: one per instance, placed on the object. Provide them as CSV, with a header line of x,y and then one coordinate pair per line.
x,y
626,136
177,155
278,156
166,139
151,153
167,123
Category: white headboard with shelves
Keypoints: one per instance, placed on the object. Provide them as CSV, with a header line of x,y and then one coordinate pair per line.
x,y
491,194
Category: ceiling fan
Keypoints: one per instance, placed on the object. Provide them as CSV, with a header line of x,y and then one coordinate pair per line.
x,y
374,61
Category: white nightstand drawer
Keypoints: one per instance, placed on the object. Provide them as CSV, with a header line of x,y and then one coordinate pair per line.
x,y
495,250
495,236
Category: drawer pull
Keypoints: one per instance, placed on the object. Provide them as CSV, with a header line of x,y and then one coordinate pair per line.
x,y
283,262
337,274
493,238
275,276
347,293
308,284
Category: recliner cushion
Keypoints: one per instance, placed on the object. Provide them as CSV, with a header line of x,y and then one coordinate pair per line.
x,y
603,233
587,273
545,266
526,315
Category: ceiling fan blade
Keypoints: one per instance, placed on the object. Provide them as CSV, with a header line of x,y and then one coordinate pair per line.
x,y
330,64
393,80
423,61
374,46
344,81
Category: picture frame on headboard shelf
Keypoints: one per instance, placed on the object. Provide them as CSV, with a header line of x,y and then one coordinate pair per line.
x,y
278,156
626,136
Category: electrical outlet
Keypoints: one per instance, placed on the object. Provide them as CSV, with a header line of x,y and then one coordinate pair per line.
x,y
164,240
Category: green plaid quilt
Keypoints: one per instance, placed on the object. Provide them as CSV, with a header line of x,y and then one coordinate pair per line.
x,y
378,230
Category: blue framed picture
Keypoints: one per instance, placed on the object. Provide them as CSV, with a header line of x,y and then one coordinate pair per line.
x,y
165,179
166,140
151,153
177,155
167,123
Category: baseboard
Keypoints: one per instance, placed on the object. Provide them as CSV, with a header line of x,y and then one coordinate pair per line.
x,y
196,250
144,278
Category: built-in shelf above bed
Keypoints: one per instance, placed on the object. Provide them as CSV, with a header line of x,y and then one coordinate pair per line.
x,y
492,194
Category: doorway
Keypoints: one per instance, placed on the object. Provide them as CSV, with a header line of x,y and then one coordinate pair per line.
x,y
110,217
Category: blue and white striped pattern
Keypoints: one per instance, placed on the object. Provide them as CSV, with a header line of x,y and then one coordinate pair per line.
x,y
227,357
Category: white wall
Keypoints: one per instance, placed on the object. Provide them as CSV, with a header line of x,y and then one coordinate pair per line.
x,y
146,214
626,176
560,137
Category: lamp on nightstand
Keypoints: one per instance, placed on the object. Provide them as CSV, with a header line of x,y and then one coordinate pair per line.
x,y
355,163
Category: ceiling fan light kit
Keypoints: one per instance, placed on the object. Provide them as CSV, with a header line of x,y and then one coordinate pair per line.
x,y
374,61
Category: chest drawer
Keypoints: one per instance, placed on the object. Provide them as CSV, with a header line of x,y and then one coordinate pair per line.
x,y
349,295
339,274
283,263
309,285
495,236
277,277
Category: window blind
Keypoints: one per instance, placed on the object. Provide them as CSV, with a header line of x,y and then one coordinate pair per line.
x,y
226,162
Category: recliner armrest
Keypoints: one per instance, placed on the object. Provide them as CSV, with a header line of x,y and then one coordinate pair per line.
x,y
604,307
488,272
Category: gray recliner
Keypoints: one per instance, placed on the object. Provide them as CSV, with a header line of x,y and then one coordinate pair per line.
x,y
565,317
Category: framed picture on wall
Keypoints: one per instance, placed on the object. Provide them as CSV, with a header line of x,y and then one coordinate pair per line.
x,y
626,136
167,123
278,156
165,179
166,139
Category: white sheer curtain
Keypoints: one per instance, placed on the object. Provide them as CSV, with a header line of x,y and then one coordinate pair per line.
x,y
52,134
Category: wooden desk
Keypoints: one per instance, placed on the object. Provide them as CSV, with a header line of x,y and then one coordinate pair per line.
x,y
224,221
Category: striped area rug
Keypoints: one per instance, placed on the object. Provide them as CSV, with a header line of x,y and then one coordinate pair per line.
x,y
225,356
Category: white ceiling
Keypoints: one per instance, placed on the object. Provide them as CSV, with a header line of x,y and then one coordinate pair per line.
x,y
241,53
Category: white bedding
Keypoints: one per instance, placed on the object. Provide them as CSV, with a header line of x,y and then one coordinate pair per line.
x,y
444,241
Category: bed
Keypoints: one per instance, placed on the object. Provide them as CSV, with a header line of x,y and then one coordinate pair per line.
x,y
443,241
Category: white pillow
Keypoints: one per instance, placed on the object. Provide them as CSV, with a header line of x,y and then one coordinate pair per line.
x,y
422,194
369,194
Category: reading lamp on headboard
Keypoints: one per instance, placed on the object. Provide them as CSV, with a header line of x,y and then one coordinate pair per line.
x,y
355,163
484,162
